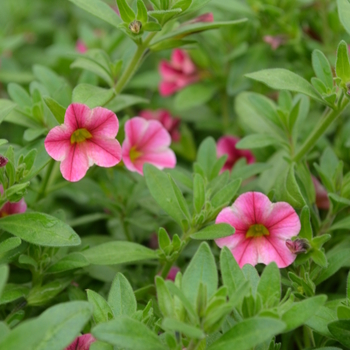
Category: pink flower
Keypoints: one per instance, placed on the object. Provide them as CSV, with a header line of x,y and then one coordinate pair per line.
x,y
262,229
12,208
146,141
172,273
3,161
164,117
80,46
274,41
227,145
298,246
177,73
322,200
206,18
81,343
87,137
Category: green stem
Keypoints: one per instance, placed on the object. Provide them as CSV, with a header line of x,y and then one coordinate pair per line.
x,y
134,63
330,117
45,181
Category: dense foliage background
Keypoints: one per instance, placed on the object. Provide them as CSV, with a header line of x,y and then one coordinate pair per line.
x,y
100,255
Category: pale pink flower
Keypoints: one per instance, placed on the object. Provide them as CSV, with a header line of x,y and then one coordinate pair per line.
x,y
80,46
12,208
261,230
81,343
322,200
274,41
172,273
298,246
177,73
170,123
206,18
227,145
146,141
87,137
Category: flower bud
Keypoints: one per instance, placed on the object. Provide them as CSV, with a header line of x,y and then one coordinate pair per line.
x,y
3,161
298,246
135,26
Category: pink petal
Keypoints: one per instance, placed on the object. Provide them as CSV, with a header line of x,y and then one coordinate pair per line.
x,y
168,72
126,148
206,17
155,136
82,343
102,122
181,60
135,129
172,273
80,46
322,200
76,116
18,207
167,88
149,114
103,151
76,164
57,142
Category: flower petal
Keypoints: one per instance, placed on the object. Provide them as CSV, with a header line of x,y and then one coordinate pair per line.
x,y
167,88
102,122
164,159
103,152
76,163
57,142
76,116
168,72
181,60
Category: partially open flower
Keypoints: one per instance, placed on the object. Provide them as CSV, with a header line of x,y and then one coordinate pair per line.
x,y
227,145
80,46
261,230
172,273
87,137
322,200
177,73
12,208
81,343
205,18
146,141
3,161
298,246
170,123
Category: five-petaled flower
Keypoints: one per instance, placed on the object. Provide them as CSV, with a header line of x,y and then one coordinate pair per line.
x,y
81,343
177,73
12,208
87,137
261,230
146,141
170,123
227,145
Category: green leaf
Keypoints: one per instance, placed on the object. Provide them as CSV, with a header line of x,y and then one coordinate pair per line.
x,y
40,229
226,194
301,311
4,272
54,329
56,109
183,4
291,191
99,9
322,68
319,257
197,4
214,231
306,228
163,16
283,79
13,292
142,12
6,107
121,297
92,96
9,244
152,27
165,301
342,65
126,12
198,193
341,331
128,333
269,286
256,141
248,333
69,262
232,274
118,252
194,95
343,224
162,191
201,270
206,156
19,95
180,198
101,310
344,13
182,327
122,101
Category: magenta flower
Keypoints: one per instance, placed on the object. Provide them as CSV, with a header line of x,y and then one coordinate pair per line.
x,y
81,343
3,161
172,273
146,141
12,208
227,145
177,73
322,200
87,137
80,46
170,123
262,229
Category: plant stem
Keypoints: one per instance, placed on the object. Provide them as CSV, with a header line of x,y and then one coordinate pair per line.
x,y
330,117
45,181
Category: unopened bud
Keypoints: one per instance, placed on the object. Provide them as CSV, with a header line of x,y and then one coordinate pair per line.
x,y
135,26
298,246
3,161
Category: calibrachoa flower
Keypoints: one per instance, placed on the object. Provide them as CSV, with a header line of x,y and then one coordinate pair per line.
x,y
80,46
322,200
3,161
81,343
177,73
227,145
146,141
261,230
298,246
274,41
12,208
172,273
170,123
87,137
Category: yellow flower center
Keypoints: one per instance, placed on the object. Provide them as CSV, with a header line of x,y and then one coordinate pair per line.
x,y
79,136
134,154
257,231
